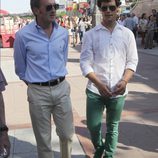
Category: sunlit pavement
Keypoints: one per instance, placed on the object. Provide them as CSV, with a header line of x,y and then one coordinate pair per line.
x,y
139,124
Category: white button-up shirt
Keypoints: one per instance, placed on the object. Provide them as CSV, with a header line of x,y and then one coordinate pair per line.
x,y
108,54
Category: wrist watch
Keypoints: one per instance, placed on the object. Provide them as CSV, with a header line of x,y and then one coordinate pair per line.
x,y
3,128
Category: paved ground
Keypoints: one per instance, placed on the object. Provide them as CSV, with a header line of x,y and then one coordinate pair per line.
x,y
138,127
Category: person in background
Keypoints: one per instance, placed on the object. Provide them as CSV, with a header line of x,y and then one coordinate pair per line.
x,y
4,138
142,27
151,27
136,21
40,54
129,22
155,14
68,26
1,41
121,19
108,59
82,28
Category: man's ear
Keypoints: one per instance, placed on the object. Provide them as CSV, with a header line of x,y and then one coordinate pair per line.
x,y
35,11
118,10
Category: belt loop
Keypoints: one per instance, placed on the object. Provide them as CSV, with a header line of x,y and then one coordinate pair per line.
x,y
49,83
58,80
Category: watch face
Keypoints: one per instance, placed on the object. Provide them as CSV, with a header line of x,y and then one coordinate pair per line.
x,y
3,153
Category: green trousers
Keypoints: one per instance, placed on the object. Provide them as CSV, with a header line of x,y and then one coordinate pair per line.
x,y
95,107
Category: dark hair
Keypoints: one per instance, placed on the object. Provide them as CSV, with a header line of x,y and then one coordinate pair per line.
x,y
143,15
118,2
34,3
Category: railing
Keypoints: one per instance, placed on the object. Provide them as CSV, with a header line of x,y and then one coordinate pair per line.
x,y
136,3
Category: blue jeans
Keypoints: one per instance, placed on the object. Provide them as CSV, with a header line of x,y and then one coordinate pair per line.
x,y
95,107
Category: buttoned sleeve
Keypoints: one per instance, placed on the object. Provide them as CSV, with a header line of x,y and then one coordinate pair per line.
x,y
19,56
87,55
66,48
132,54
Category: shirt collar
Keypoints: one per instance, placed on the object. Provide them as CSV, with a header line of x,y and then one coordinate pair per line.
x,y
101,27
54,23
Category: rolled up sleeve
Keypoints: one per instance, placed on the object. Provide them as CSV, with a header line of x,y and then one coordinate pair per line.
x,y
132,54
86,57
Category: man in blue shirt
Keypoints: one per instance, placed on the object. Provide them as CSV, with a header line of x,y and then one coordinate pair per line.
x,y
40,53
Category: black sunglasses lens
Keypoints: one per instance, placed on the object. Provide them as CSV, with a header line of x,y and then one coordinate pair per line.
x,y
105,8
56,6
112,8
51,6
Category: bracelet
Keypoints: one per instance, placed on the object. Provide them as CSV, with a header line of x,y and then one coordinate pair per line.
x,y
3,128
124,81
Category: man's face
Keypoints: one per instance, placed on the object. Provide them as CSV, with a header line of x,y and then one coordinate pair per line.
x,y
47,10
109,11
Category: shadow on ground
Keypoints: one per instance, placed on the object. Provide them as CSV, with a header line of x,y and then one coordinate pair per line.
x,y
24,149
136,135
141,136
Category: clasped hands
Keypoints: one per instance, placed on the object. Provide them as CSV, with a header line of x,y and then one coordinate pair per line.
x,y
118,90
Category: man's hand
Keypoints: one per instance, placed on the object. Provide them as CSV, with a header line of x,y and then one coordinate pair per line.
x,y
120,88
104,90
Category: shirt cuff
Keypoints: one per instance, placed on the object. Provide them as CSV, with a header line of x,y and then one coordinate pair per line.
x,y
86,71
132,67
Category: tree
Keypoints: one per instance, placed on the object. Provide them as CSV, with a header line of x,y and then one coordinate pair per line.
x,y
96,16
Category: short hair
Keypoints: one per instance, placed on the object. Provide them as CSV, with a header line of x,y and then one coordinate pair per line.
x,y
34,3
118,2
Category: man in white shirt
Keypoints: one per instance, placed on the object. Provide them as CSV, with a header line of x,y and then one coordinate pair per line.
x,y
108,59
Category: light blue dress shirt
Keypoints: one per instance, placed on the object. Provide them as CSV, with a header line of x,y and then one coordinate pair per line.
x,y
39,58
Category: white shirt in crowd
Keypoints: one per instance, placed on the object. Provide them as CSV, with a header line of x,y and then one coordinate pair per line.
x,y
82,26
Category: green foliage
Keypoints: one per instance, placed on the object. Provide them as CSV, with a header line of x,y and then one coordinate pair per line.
x,y
62,13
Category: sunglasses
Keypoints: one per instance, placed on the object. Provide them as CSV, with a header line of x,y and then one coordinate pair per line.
x,y
52,6
105,8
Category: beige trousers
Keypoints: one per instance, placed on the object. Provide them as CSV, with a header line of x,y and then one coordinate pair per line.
x,y
44,102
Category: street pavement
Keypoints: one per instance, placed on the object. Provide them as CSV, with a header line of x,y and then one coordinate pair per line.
x,y
139,124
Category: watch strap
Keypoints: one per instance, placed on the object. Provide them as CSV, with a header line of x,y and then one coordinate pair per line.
x,y
3,128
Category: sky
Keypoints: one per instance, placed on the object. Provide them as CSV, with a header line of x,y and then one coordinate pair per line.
x,y
15,6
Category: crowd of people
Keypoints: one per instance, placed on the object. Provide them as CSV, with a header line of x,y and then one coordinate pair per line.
x,y
76,27
145,26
